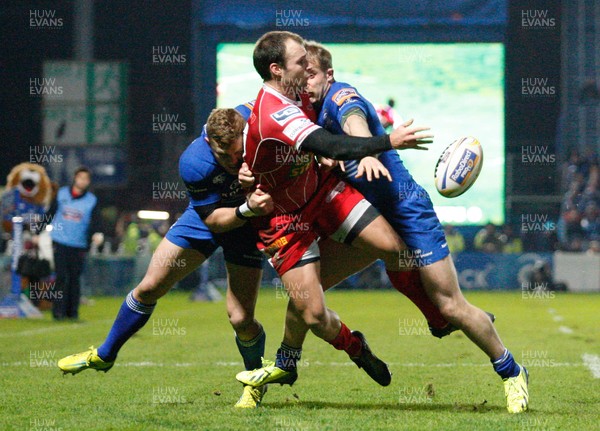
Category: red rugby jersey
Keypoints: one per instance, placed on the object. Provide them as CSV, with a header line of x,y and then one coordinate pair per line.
x,y
276,129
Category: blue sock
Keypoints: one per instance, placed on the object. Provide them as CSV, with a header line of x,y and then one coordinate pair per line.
x,y
287,357
506,365
253,350
132,316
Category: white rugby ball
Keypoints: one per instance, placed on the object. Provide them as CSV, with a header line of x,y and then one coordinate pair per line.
x,y
458,167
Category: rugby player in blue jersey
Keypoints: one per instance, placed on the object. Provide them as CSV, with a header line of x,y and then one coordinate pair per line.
x,y
408,208
386,183
216,216
209,169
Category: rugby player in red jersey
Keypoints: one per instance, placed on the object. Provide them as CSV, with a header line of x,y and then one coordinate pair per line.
x,y
310,202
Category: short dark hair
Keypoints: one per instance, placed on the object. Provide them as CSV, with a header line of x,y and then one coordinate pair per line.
x,y
269,49
82,169
316,51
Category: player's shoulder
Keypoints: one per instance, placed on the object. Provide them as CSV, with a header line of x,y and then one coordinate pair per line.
x,y
91,196
276,112
64,191
342,92
246,109
197,161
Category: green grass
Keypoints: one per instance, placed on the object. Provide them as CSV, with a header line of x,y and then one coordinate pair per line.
x,y
195,364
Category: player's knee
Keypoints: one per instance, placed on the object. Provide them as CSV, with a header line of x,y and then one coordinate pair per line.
x,y
315,317
240,320
149,290
451,311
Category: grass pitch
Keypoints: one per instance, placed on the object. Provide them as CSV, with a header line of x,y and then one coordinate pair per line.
x,y
178,372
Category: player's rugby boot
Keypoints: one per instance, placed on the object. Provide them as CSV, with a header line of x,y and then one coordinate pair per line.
x,y
516,391
373,366
450,328
269,373
81,361
251,397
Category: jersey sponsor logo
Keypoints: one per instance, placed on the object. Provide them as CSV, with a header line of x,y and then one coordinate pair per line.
x,y
301,166
72,214
342,95
283,115
234,193
293,129
272,249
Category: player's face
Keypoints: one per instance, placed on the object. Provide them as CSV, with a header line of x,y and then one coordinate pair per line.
x,y
230,159
82,180
317,83
293,75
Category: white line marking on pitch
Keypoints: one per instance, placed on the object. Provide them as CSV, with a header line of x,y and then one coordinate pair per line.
x,y
53,328
558,318
593,363
596,365
565,330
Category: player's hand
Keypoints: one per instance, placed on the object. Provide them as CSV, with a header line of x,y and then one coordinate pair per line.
x,y
245,176
260,202
407,136
327,163
373,168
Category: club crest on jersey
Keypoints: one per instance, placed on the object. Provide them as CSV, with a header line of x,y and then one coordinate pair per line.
x,y
344,94
464,167
285,114
219,179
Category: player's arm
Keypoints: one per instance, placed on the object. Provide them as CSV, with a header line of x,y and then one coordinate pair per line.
x,y
341,147
223,219
354,123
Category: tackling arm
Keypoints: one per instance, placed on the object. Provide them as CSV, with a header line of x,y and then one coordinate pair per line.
x,y
220,220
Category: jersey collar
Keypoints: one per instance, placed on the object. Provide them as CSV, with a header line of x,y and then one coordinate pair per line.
x,y
271,90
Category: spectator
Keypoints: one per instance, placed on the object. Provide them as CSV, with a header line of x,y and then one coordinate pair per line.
x,y
131,239
74,218
569,227
540,278
455,240
593,247
488,239
590,222
512,243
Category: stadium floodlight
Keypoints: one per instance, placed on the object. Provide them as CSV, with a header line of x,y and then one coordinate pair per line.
x,y
153,215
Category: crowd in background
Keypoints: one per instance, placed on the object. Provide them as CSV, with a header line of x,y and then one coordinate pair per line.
x,y
489,239
578,228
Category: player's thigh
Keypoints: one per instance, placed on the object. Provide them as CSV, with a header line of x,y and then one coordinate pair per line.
x,y
339,261
243,283
169,264
303,287
379,239
441,282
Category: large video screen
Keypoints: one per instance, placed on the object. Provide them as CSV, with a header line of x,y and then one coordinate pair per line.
x,y
456,89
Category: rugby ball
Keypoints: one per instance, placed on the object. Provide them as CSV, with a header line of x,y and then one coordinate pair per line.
x,y
458,167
